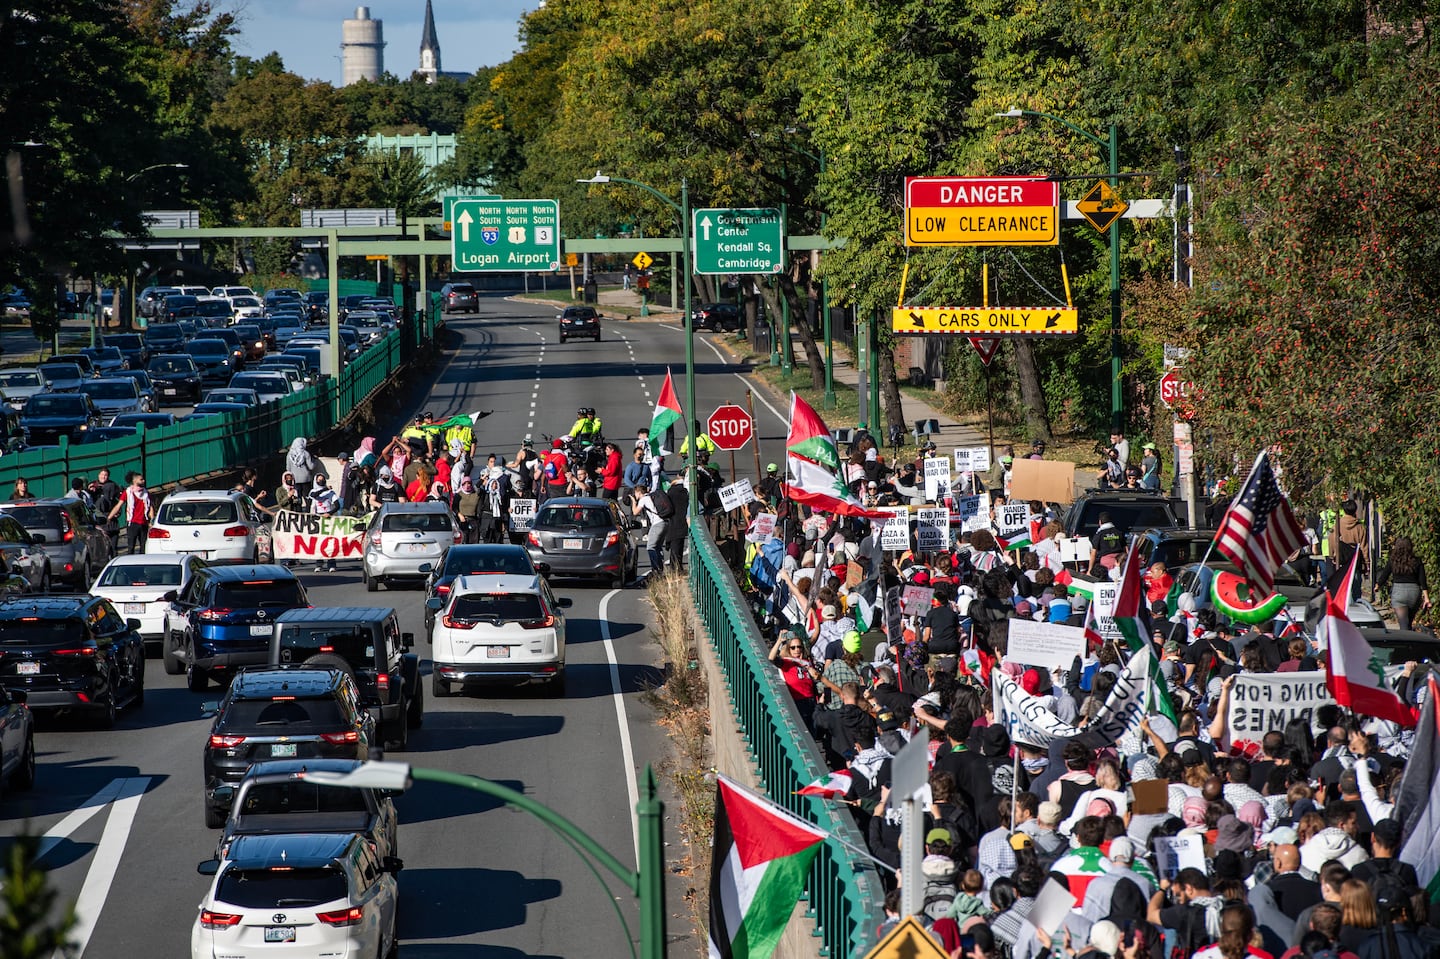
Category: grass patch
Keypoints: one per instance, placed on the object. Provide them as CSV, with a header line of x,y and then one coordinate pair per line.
x,y
682,705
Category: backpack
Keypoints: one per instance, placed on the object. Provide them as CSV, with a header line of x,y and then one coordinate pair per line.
x,y
664,506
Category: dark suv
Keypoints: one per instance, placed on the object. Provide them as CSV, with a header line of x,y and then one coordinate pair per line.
x,y
718,317
76,546
71,652
281,712
583,536
579,321
365,641
1130,510
459,298
224,616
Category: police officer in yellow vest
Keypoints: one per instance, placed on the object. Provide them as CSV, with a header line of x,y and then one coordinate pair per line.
x,y
587,425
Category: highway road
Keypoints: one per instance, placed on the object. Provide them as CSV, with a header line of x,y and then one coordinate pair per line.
x,y
122,808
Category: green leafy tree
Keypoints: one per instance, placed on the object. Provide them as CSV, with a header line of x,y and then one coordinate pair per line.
x,y
33,924
403,182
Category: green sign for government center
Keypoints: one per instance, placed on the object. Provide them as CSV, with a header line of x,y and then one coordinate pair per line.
x,y
738,240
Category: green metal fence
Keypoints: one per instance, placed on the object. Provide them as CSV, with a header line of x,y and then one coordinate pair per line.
x,y
843,890
192,448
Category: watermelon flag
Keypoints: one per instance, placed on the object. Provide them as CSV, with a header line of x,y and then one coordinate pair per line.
x,y
667,413
1355,673
1417,805
833,786
758,867
808,437
820,489
1131,615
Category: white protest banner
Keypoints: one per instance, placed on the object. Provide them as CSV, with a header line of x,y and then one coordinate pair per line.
x,y
974,459
1027,720
932,529
1013,518
895,533
1107,593
1131,700
764,526
972,512
522,514
937,477
915,600
306,536
1260,702
736,495
1174,853
1044,644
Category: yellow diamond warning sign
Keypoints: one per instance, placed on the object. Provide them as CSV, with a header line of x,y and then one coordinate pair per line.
x,y
1102,206
986,321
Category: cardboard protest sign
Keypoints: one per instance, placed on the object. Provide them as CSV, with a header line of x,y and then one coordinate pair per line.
x,y
1260,702
522,514
932,530
735,495
1049,481
307,536
1152,796
937,477
915,600
1044,644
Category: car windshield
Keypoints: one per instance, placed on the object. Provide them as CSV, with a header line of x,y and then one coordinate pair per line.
x,y
301,642
248,331
416,523
67,371
214,308
124,341
103,390
299,796
267,592
32,630
262,384
103,352
572,515
19,378
505,607
208,347
1127,517
56,404
148,419
245,301
141,574
36,517
466,562
281,887
283,711
170,334
197,514
173,365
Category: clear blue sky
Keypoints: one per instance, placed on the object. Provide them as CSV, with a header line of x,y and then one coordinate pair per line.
x,y
306,33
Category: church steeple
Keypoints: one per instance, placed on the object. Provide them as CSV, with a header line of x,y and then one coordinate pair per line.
x,y
429,46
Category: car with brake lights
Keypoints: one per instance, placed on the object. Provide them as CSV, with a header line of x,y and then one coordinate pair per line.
x,y
220,526
67,533
223,618
403,541
137,583
579,321
584,536
477,559
507,630
282,712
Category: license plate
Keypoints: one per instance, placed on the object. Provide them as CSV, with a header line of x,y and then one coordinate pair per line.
x,y
279,933
572,544
27,669
168,392
416,547
282,750
261,630
135,609
497,652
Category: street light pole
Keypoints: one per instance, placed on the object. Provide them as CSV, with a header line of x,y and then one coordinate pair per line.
x,y
157,166
1111,148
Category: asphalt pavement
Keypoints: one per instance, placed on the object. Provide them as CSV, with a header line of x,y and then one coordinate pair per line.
x,y
122,808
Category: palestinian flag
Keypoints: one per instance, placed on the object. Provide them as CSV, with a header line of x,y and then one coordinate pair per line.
x,y
1417,805
1018,540
1132,616
834,786
1078,584
666,415
1079,867
758,867
808,437
463,419
820,489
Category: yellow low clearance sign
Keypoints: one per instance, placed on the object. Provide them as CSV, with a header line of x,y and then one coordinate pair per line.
x,y
986,321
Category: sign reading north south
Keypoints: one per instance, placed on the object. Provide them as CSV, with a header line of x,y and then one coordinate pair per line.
x,y
981,211
986,321
738,240
505,236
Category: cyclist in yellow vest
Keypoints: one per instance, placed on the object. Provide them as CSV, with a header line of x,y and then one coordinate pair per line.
x,y
587,425
703,442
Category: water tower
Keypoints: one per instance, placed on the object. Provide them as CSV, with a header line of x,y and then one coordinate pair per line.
x,y
362,47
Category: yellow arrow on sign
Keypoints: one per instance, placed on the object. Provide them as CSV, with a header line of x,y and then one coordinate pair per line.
x,y
642,260
908,940
986,321
1102,206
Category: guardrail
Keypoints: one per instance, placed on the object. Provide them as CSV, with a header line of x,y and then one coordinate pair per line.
x,y
193,448
844,892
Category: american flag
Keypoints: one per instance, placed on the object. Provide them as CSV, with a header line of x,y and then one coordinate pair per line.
x,y
1260,530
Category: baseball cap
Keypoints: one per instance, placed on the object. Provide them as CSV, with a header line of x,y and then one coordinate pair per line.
x,y
1148,446
851,641
1050,813
772,468
1020,841
342,456
939,834
829,612
1281,836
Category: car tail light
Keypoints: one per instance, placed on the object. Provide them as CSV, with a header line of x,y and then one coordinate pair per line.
x,y
382,682
157,533
375,539
545,623
457,623
443,589
533,539
217,920
82,651
340,739
458,536
218,741
68,536
613,538
342,917
214,614
237,531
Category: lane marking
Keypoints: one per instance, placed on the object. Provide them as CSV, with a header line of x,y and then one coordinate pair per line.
x,y
79,817
755,392
106,860
627,753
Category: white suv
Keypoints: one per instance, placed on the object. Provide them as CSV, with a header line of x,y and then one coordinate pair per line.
x,y
503,629
312,894
217,525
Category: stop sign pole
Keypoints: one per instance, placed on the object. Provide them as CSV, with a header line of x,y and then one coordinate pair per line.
x,y
730,428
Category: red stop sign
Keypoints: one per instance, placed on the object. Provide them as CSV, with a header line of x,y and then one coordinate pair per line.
x,y
730,427
1175,389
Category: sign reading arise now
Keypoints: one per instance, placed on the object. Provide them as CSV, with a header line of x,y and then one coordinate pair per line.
x,y
981,211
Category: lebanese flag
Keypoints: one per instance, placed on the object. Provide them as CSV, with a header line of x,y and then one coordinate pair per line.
x,y
666,415
834,786
1132,616
1093,637
1355,674
758,866
809,438
818,488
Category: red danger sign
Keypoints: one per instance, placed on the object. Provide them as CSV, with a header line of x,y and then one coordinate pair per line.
x,y
960,191
730,427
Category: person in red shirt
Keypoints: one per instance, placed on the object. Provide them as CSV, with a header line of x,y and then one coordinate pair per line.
x,y
611,472
419,488
139,510
555,470
799,672
1157,582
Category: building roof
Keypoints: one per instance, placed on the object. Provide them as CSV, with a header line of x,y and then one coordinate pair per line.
x,y
429,39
